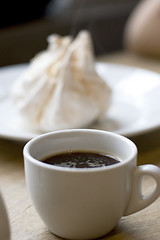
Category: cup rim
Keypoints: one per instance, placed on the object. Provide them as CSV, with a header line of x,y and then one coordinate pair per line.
x,y
29,157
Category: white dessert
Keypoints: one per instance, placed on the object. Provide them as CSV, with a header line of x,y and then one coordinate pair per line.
x,y
60,88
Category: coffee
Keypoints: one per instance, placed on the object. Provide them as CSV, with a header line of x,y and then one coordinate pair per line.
x,y
80,159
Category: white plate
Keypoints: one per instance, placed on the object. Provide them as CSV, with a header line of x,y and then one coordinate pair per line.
x,y
135,106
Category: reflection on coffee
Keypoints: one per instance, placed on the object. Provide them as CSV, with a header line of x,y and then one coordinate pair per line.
x,y
81,160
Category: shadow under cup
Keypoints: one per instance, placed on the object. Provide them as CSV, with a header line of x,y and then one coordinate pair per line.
x,y
80,203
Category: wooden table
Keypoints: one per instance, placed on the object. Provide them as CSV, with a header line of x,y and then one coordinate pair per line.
x,y
25,222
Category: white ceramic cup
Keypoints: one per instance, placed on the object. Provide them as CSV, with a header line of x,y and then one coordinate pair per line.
x,y
86,203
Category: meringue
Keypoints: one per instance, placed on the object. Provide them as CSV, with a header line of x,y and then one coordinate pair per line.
x,y
60,88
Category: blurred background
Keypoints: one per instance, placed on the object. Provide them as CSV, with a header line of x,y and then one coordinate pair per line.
x,y
25,25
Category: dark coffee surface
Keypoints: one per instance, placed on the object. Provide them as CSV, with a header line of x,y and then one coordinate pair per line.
x,y
81,160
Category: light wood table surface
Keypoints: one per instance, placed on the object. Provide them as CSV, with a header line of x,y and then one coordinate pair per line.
x,y
24,221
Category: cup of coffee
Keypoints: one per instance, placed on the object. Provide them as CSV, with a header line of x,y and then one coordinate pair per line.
x,y
83,181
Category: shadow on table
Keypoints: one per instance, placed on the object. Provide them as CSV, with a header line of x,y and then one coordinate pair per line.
x,y
148,145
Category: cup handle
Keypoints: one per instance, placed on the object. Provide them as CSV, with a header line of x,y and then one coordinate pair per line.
x,y
137,200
